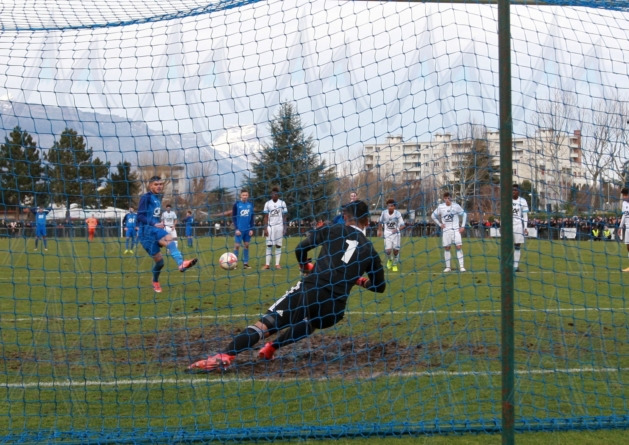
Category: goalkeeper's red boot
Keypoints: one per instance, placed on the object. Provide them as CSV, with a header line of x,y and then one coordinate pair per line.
x,y
187,264
156,287
267,351
216,362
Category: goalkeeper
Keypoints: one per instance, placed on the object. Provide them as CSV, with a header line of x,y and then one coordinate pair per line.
x,y
318,301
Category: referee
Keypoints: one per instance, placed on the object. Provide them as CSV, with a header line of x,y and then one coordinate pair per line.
x,y
317,301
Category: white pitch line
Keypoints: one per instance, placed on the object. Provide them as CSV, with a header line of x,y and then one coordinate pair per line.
x,y
406,274
192,381
247,316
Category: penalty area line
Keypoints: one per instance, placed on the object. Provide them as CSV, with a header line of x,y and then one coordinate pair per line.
x,y
192,381
249,316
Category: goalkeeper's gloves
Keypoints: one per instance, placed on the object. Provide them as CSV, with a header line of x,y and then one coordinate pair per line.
x,y
306,268
363,282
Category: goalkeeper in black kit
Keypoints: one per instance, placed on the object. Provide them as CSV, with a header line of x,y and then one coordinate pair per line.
x,y
317,301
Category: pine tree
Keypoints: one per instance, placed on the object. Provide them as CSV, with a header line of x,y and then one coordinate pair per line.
x,y
20,169
73,176
122,186
290,162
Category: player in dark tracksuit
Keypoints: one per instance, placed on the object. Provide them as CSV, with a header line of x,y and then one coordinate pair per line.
x,y
318,300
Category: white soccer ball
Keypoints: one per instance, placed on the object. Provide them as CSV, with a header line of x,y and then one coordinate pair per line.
x,y
228,261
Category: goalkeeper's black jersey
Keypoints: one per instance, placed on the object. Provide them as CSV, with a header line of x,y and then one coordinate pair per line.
x,y
346,255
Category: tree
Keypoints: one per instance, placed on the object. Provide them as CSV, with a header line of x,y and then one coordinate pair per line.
x,y
552,122
474,166
20,169
603,128
220,200
73,176
290,162
122,186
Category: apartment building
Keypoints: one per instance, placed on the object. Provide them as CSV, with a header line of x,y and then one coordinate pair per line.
x,y
553,160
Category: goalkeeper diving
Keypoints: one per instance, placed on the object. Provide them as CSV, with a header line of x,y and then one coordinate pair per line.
x,y
317,301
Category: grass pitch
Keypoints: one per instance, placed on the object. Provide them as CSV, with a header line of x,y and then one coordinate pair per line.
x,y
89,348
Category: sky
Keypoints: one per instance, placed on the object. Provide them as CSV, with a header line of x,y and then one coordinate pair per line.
x,y
358,71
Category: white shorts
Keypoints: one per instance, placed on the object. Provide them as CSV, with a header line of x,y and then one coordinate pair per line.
x,y
276,235
450,237
171,231
518,237
392,242
625,232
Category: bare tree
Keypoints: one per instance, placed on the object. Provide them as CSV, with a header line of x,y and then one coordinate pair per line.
x,y
199,176
553,120
603,131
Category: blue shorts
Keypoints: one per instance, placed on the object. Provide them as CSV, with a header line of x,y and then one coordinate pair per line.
x,y
40,231
131,232
188,231
243,238
150,239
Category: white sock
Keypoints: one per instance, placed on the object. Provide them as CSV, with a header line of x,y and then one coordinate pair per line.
x,y
447,256
278,255
269,251
396,259
459,255
516,259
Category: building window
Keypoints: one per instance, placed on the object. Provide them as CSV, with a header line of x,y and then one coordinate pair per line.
x,y
515,172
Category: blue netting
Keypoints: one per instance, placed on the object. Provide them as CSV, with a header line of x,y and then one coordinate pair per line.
x,y
386,100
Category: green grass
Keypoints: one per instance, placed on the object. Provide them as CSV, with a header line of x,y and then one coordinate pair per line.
x,y
428,349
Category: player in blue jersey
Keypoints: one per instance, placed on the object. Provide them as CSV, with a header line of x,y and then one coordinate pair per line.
x,y
188,221
130,223
152,234
242,216
40,225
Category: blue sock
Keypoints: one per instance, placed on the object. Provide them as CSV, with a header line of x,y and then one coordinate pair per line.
x,y
189,242
157,268
127,244
245,256
36,242
174,252
235,252
45,243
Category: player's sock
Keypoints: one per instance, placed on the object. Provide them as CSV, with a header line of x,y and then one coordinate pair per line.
x,y
396,259
236,252
459,256
293,334
243,341
36,242
126,246
157,268
189,242
278,255
45,243
245,256
447,256
516,258
269,253
174,252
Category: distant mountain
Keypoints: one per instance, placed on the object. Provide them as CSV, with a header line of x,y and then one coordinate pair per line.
x,y
114,138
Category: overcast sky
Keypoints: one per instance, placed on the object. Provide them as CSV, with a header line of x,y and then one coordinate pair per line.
x,y
357,70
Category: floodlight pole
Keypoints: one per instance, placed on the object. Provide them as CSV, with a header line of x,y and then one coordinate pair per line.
x,y
506,223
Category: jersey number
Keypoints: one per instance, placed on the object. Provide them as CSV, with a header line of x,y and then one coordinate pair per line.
x,y
351,247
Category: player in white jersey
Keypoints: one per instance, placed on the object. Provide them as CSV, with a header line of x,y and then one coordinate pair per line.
x,y
391,223
275,212
623,227
520,223
169,218
446,216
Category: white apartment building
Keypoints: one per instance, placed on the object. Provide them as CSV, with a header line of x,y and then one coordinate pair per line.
x,y
552,160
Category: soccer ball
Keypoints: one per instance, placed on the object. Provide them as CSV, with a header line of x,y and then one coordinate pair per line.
x,y
228,261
